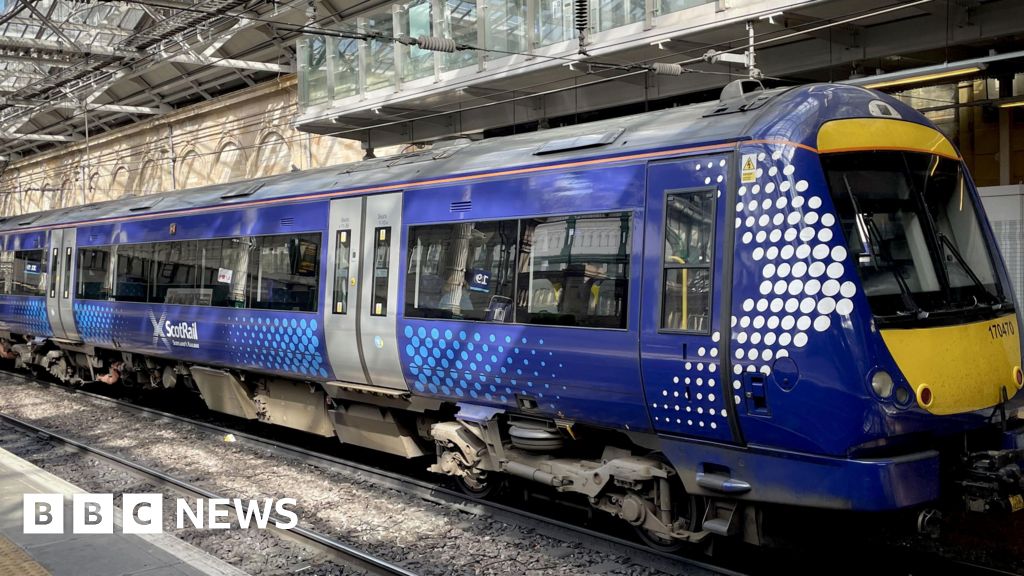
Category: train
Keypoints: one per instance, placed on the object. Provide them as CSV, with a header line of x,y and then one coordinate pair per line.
x,y
784,297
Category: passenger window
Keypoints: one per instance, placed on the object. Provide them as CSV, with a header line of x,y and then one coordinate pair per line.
x,y
689,238
6,271
223,265
53,272
284,273
94,273
176,277
134,272
574,270
342,246
29,275
381,271
68,258
462,270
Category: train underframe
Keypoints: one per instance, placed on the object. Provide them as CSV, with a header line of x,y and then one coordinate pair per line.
x,y
621,474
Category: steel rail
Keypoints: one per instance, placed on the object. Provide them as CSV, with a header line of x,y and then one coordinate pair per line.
x,y
339,551
664,561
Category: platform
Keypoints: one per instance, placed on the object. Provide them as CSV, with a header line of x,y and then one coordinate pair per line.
x,y
68,554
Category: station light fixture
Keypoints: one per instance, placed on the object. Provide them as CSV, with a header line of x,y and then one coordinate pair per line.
x,y
1017,104
918,78
942,71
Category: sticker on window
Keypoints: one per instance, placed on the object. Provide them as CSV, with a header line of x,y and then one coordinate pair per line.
x,y
479,280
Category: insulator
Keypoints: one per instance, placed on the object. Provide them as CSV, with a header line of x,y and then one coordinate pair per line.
x,y
437,44
582,9
667,69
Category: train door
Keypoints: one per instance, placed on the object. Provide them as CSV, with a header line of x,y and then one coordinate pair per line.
x,y
360,322
59,284
684,346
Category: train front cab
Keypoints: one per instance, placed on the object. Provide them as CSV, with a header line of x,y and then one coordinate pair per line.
x,y
872,324
949,361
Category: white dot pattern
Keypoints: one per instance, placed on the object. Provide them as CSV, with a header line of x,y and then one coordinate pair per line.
x,y
804,284
686,397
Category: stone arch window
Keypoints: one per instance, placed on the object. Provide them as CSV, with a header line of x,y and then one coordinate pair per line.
x,y
93,191
229,165
119,183
65,196
191,172
149,180
273,156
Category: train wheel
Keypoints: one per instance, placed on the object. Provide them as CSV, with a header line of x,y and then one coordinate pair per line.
x,y
687,513
477,485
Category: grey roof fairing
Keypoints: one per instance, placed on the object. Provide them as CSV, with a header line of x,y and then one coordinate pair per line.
x,y
669,127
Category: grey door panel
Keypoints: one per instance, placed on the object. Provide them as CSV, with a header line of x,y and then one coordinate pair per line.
x,y
379,290
344,239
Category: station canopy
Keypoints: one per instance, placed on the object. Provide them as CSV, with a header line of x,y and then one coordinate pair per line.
x,y
68,69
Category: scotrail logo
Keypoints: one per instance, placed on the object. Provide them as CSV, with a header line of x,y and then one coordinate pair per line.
x,y
144,513
167,333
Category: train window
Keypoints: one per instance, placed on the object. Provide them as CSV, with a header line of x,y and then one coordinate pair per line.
x,y
175,280
133,272
463,270
341,270
381,270
93,273
574,270
6,271
224,265
689,240
68,257
284,272
53,272
29,276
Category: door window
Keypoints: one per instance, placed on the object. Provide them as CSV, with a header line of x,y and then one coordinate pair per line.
x,y
686,281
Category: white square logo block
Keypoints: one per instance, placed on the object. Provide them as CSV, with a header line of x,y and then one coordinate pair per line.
x,y
92,513
142,513
42,514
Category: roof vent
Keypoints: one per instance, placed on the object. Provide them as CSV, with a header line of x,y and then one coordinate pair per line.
x,y
145,205
287,221
461,206
578,142
28,221
740,96
242,192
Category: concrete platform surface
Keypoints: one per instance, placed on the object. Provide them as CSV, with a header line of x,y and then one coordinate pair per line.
x,y
69,554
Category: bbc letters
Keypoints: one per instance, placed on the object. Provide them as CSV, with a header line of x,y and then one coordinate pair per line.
x,y
144,513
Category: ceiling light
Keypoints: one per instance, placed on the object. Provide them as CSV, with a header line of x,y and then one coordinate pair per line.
x,y
916,79
1016,104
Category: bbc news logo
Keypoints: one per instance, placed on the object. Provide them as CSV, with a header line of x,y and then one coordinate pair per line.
x,y
144,513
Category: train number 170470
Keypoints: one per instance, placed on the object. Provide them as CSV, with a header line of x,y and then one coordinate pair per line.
x,y
1002,330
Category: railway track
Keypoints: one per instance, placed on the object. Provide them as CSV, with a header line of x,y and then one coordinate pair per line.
x,y
911,563
335,550
640,554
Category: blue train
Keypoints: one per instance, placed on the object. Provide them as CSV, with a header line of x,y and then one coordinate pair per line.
x,y
786,297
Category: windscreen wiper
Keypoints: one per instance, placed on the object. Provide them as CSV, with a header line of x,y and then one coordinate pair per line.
x,y
944,240
871,230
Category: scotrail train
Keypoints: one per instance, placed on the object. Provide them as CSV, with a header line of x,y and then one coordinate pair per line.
x,y
787,297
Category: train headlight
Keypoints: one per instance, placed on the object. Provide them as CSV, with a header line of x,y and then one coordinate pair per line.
x,y
882,384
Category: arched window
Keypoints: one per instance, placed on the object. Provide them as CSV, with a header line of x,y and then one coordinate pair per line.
x,y
119,183
230,164
149,179
190,170
94,190
273,156
65,194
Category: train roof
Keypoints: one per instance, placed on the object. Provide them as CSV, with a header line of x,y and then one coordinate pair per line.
x,y
728,119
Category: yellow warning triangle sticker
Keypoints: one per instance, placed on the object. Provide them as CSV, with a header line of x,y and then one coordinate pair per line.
x,y
748,164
